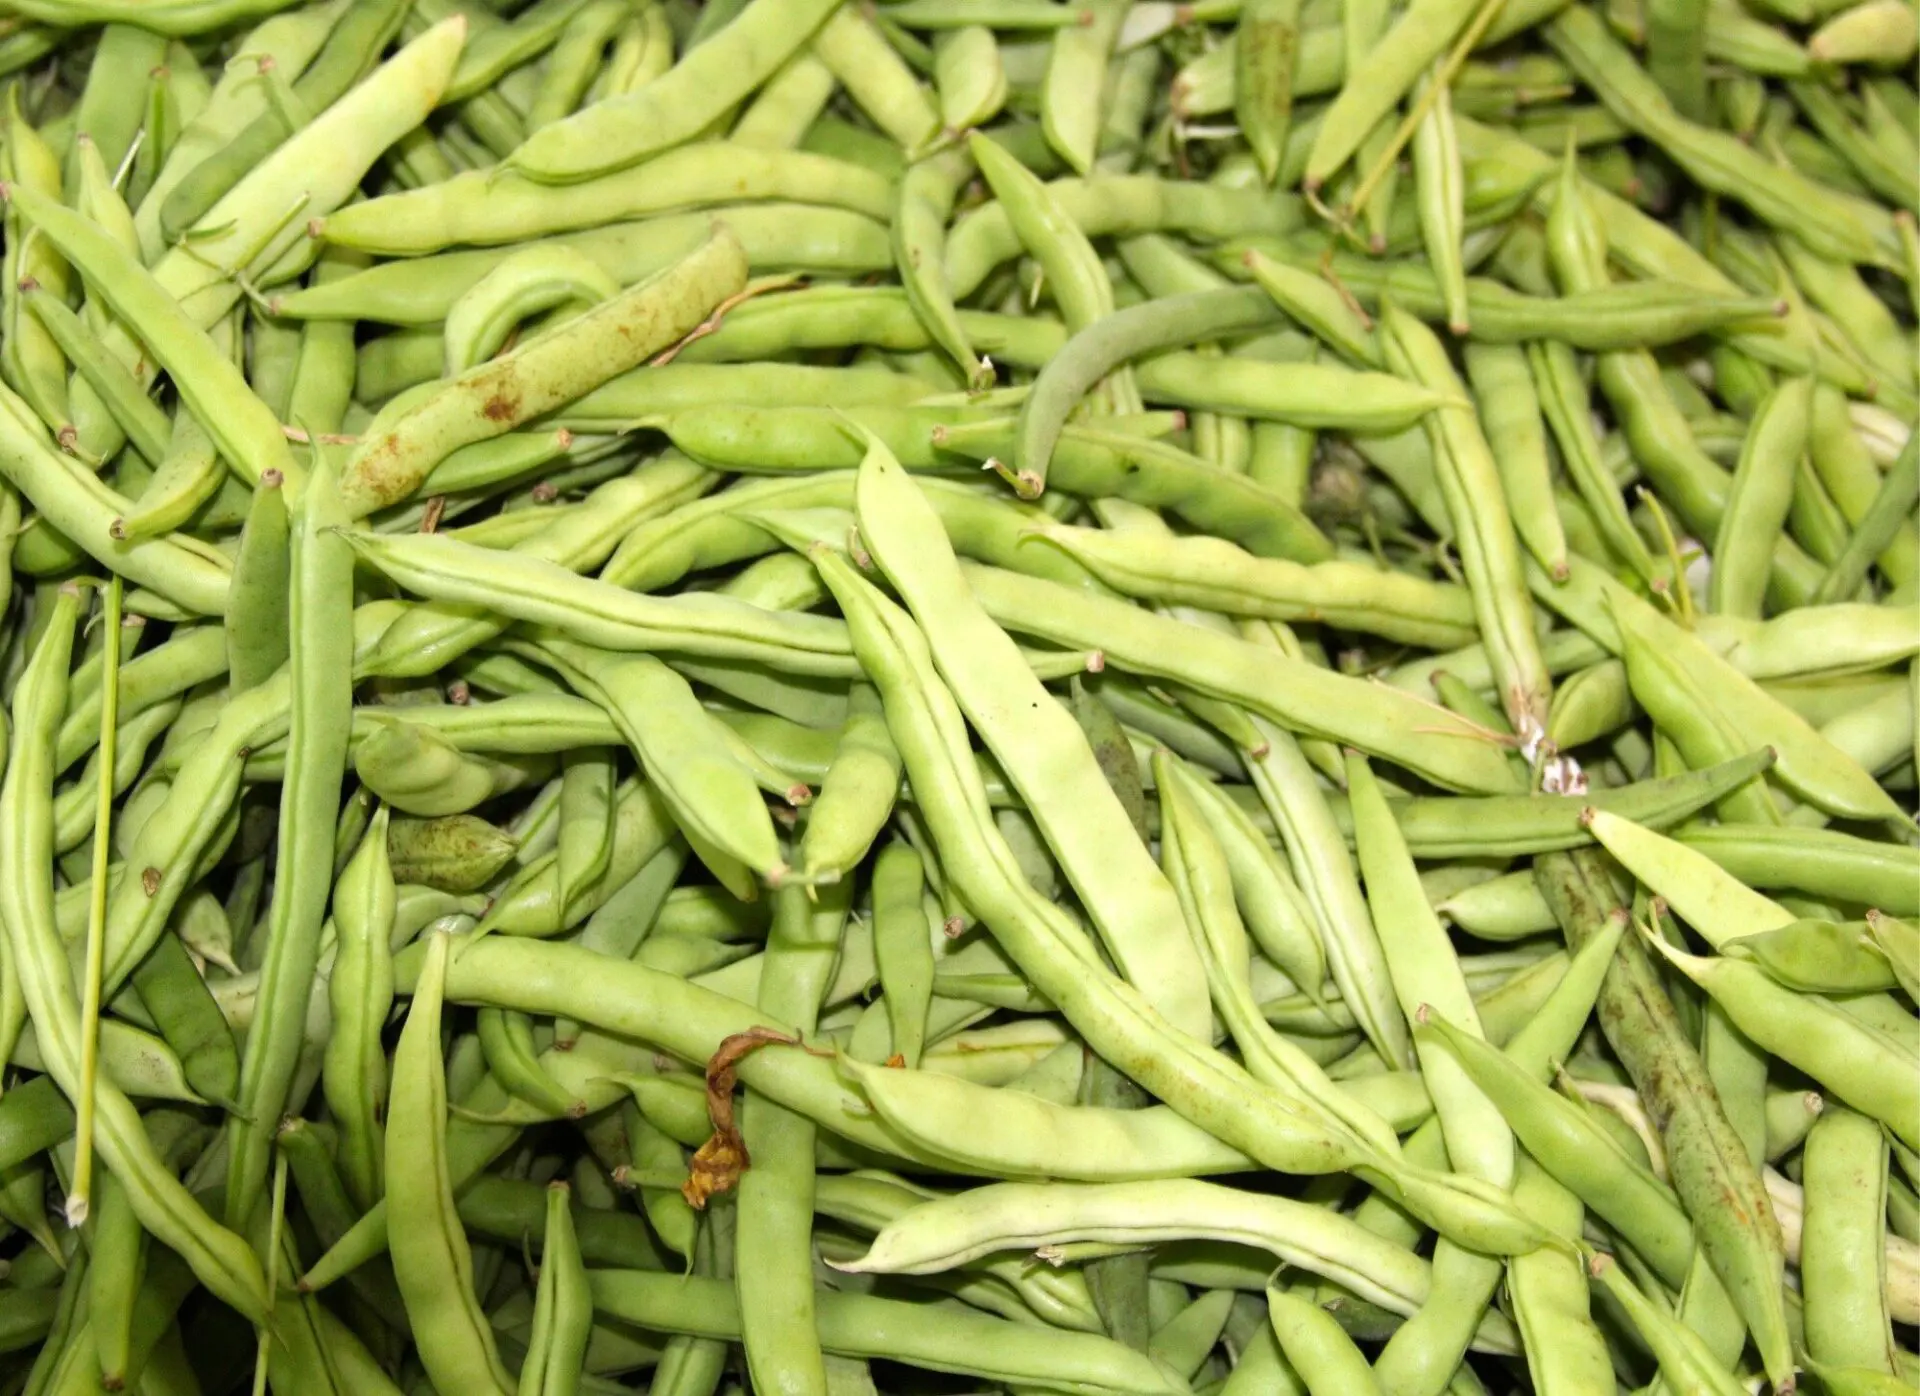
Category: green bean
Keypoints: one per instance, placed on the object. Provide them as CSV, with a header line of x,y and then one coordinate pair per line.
x,y
968,77
951,1340
84,510
257,638
1716,905
1104,345
1851,1059
902,949
1087,828
952,1230
115,1272
1115,206
540,375
1842,1254
772,1262
1265,44
1563,399
1489,551
1212,573
1757,499
1582,1157
1277,913
480,208
1878,526
1298,695
857,792
418,772
1617,316
1564,1348
360,992
1665,662
787,105
563,1313
186,477
352,44
1198,871
175,995
289,41
674,107
431,1259
1425,979
1383,77
34,1116
319,672
1440,199
1861,33
1317,1348
1304,394
1073,271
776,236
855,50
1511,411
1684,1359
74,811
711,794
531,905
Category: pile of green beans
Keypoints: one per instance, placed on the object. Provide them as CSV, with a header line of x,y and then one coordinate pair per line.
x,y
835,697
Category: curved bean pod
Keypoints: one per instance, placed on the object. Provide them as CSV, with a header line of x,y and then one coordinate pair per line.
x,y
538,278
542,374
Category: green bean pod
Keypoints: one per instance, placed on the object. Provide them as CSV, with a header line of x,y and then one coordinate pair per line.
x,y
1757,501
353,1073
320,675
857,792
482,208
1489,549
1849,1058
673,109
431,1259
1318,1348
541,374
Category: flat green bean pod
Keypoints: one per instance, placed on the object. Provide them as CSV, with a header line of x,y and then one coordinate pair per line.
x,y
1028,1216
597,613
482,208
678,105
542,374
1212,573
1296,695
